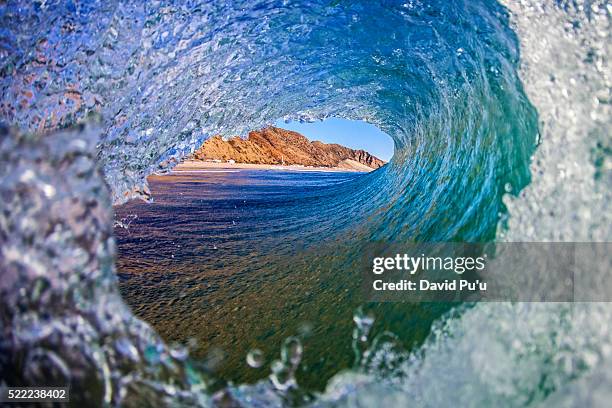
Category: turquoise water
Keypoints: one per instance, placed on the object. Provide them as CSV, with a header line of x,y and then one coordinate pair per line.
x,y
500,116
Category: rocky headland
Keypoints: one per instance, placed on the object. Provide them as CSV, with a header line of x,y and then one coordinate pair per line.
x,y
276,146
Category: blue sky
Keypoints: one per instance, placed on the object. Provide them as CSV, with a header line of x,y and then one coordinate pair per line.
x,y
355,134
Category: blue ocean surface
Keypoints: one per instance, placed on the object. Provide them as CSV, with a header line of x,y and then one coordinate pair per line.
x,y
216,215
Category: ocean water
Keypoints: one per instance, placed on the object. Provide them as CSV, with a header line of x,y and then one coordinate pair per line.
x,y
500,115
219,260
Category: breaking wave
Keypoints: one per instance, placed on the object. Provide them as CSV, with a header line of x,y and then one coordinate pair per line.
x,y
499,116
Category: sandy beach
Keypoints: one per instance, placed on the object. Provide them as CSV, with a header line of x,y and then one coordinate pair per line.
x,y
196,165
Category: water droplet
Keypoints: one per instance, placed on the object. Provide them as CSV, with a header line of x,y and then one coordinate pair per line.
x,y
364,322
179,353
292,351
282,376
255,358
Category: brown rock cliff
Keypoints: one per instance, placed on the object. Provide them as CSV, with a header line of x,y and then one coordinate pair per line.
x,y
273,145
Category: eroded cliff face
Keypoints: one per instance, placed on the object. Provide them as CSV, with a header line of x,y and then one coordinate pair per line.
x,y
273,145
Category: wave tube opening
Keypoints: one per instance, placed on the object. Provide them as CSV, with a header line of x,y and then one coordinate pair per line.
x,y
219,259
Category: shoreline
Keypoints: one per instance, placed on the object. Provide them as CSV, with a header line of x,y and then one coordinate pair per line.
x,y
191,166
